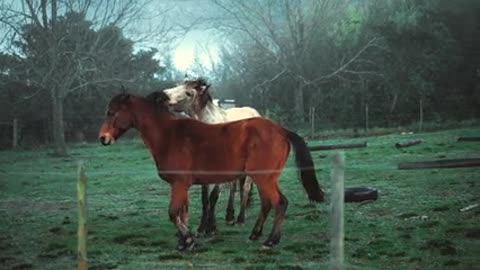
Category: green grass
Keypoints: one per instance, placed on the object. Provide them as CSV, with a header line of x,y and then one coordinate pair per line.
x,y
415,224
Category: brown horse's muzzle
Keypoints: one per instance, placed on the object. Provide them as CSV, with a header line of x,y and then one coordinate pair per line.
x,y
107,139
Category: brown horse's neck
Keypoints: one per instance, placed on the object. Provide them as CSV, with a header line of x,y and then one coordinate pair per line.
x,y
150,122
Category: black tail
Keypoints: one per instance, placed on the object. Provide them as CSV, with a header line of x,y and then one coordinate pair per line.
x,y
304,162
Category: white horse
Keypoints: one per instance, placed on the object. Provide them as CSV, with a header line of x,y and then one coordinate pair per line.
x,y
192,97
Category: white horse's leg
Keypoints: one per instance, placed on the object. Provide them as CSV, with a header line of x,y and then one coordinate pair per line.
x,y
230,215
244,196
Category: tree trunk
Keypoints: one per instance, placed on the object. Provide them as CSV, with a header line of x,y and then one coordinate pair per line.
x,y
58,129
366,117
15,133
298,105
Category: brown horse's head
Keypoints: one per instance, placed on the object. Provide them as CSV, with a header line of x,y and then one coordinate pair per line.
x,y
118,119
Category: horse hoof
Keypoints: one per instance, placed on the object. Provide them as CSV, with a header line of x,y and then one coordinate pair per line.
x,y
266,247
211,229
231,222
201,229
270,243
241,221
254,237
187,244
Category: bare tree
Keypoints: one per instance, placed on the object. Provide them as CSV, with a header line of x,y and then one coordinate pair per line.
x,y
61,64
292,31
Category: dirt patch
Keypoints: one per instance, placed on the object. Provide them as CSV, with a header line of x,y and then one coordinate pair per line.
x,y
451,263
239,260
230,232
27,207
145,243
102,266
59,231
455,230
415,259
448,250
171,256
7,260
380,212
441,208
122,239
55,250
217,240
22,266
407,215
290,267
108,217
473,233
446,247
429,224
294,248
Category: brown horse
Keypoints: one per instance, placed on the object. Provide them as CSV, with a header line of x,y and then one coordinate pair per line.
x,y
188,152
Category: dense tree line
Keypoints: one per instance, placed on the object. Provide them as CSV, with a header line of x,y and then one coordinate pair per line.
x,y
393,62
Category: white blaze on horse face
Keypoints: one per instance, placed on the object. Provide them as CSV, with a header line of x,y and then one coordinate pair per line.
x,y
109,139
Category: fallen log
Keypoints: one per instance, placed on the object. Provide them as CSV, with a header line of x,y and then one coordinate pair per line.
x,y
446,163
468,139
407,144
337,146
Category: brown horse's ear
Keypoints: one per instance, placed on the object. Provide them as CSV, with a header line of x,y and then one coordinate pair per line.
x,y
125,97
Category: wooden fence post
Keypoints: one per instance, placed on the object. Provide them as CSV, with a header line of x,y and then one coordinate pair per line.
x,y
366,117
312,121
15,133
336,215
420,123
82,218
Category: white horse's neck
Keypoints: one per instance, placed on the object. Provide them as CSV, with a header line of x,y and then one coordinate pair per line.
x,y
210,114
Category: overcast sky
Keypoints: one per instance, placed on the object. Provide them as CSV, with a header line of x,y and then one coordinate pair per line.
x,y
178,12
198,41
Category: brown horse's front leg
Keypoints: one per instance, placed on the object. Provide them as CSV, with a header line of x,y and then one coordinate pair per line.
x,y
178,213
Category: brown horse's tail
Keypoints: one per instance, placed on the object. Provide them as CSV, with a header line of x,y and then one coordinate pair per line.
x,y
304,162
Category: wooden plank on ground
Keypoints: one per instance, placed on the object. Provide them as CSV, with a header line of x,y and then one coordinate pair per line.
x,y
469,139
407,144
337,146
446,163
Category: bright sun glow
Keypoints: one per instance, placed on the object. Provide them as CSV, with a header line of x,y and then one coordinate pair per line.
x,y
183,58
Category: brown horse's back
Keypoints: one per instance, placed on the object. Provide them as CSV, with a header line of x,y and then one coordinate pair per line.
x,y
224,151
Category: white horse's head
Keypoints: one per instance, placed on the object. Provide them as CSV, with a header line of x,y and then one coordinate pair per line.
x,y
188,95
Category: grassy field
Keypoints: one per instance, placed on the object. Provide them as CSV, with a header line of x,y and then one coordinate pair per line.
x,y
415,224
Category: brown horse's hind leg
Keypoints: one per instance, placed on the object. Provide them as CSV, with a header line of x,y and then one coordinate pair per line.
x,y
204,220
178,213
211,223
265,209
230,215
280,209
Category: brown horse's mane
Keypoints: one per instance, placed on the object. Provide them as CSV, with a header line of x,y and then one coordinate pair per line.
x,y
159,99
201,85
